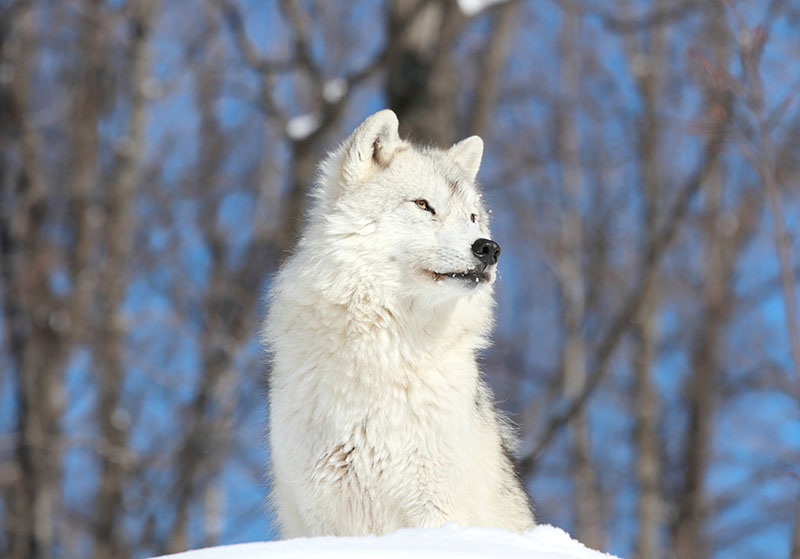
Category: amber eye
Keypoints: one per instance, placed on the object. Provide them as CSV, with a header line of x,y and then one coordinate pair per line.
x,y
473,218
423,205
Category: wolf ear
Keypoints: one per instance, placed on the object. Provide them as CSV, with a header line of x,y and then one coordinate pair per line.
x,y
467,154
373,144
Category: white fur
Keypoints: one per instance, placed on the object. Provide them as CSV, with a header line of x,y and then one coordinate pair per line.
x,y
378,417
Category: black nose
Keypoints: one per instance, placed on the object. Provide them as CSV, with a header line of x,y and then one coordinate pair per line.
x,y
486,250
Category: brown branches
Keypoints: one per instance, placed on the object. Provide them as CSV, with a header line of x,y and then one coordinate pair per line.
x,y
113,419
658,17
650,78
32,314
492,64
759,148
653,251
571,281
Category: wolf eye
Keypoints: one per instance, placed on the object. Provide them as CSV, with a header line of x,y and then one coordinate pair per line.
x,y
473,218
423,205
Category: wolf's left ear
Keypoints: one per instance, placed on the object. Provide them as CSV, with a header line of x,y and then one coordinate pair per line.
x,y
372,145
467,154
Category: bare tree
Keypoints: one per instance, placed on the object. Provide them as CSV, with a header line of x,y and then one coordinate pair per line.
x,y
569,272
35,335
646,59
120,221
700,392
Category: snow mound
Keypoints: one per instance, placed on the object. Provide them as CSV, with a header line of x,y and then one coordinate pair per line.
x,y
543,542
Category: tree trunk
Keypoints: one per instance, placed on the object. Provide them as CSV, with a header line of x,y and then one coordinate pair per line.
x,y
647,64
34,333
571,280
690,541
115,275
421,81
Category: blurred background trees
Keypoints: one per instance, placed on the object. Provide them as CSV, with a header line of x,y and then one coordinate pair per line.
x,y
642,163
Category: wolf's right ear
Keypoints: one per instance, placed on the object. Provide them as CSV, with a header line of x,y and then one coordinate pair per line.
x,y
371,146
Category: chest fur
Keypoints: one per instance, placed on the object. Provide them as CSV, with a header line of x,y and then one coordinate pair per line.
x,y
380,474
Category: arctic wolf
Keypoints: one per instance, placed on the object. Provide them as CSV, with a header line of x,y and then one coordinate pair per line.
x,y
379,419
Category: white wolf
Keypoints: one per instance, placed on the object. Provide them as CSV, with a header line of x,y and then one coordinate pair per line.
x,y
379,419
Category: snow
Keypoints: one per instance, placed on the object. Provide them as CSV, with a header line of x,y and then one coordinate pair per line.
x,y
302,126
333,90
450,542
472,7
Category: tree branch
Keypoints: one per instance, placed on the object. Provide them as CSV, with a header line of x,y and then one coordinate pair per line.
x,y
653,252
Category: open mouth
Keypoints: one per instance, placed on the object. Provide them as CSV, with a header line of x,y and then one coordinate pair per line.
x,y
471,277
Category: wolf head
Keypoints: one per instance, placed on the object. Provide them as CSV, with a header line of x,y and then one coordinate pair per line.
x,y
404,217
